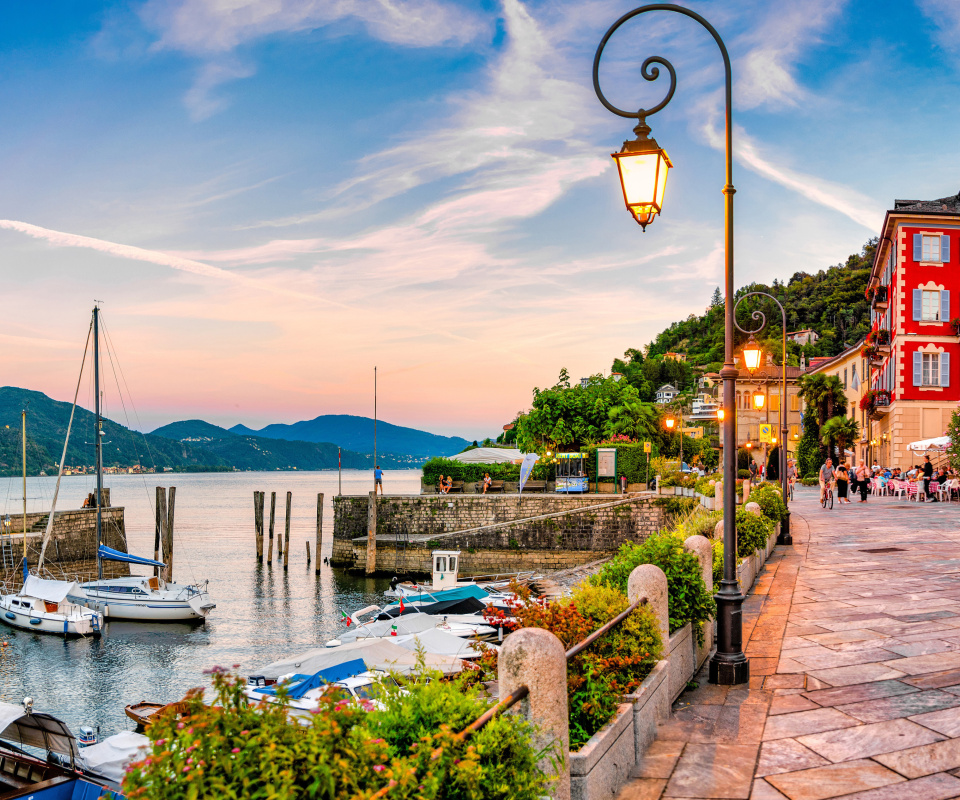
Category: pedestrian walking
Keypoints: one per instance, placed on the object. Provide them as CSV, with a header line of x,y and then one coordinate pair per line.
x,y
863,480
842,476
927,477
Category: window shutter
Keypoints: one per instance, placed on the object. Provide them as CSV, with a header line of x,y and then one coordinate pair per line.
x,y
945,306
917,368
917,247
917,304
945,249
944,369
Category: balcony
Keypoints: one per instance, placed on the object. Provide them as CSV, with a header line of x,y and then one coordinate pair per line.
x,y
876,403
880,298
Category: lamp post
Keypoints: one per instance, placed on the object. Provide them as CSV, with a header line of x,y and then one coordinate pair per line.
x,y
751,358
670,422
643,168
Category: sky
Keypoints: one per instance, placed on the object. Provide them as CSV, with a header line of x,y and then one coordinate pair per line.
x,y
272,197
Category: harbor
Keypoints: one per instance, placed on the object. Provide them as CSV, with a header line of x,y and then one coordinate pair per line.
x,y
263,613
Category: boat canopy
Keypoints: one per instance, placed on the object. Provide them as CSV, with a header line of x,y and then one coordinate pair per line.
x,y
109,758
301,684
376,654
36,730
51,591
110,554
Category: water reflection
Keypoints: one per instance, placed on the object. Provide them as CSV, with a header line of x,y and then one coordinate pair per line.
x,y
263,612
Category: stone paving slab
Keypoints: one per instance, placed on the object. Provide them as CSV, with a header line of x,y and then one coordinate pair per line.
x,y
855,670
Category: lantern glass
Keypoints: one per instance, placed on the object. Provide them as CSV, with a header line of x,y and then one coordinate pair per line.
x,y
669,422
758,399
751,355
720,414
643,178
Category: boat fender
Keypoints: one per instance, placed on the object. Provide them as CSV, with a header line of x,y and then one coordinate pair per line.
x,y
34,621
10,615
393,583
333,643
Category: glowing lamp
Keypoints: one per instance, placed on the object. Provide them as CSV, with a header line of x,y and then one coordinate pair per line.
x,y
748,445
720,413
643,166
758,399
549,453
669,422
751,355
773,440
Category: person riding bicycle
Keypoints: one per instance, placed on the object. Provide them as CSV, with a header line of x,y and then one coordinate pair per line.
x,y
826,478
791,475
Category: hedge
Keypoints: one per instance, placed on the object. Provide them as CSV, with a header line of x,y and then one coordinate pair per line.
x,y
435,467
752,532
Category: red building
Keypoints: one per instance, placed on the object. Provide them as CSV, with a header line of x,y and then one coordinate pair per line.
x,y
913,350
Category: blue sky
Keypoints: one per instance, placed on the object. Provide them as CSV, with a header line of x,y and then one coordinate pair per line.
x,y
271,197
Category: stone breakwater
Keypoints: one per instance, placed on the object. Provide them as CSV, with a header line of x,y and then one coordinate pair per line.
x,y
495,533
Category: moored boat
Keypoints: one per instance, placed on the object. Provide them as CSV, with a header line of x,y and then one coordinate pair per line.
x,y
146,711
44,606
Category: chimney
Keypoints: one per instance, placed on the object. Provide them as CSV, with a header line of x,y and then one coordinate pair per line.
x,y
803,363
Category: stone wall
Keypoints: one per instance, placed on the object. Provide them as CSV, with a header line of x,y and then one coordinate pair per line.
x,y
409,528
72,551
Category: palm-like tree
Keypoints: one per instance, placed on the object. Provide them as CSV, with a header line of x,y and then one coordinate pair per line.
x,y
840,431
824,397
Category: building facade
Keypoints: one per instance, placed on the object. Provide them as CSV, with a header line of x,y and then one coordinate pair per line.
x,y
913,352
767,379
667,393
852,368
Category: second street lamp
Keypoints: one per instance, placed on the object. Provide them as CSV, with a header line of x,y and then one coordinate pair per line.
x,y
759,399
729,664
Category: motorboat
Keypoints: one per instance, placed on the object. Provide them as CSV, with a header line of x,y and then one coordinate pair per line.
x,y
303,692
44,606
446,565
463,626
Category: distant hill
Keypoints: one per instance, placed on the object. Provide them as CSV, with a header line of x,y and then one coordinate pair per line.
x,y
356,433
47,427
257,452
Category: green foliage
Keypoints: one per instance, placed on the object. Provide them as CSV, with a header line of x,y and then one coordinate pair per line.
x,y
707,485
809,454
840,432
234,750
631,460
812,480
676,505
717,562
688,598
699,523
770,501
435,467
953,431
752,532
744,457
743,474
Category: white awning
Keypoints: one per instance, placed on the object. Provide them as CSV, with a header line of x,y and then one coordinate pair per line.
x,y
35,730
52,591
488,455
939,444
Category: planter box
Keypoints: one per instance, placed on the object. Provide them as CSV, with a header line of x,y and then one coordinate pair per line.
x,y
602,766
683,658
651,705
747,573
709,503
772,541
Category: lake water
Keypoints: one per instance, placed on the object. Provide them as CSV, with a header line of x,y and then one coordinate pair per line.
x,y
262,613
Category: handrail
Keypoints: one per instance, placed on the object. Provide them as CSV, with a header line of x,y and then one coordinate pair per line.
x,y
522,691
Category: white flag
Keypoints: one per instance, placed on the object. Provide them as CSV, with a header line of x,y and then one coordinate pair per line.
x,y
527,467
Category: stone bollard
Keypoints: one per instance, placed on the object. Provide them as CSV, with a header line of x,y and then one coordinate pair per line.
x,y
535,658
701,547
746,490
648,581
754,508
718,497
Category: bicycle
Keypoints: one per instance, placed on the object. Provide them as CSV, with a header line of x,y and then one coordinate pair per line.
x,y
827,497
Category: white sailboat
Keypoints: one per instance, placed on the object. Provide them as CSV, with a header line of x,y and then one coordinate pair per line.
x,y
45,605
136,598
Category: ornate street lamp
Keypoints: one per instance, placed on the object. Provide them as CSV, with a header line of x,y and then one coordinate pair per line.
x,y
643,166
751,354
728,665
759,399
669,422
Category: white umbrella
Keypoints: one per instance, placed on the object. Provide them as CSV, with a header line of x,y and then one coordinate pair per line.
x,y
940,443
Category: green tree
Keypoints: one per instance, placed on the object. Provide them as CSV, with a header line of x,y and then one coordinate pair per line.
x,y
824,399
839,432
808,450
953,431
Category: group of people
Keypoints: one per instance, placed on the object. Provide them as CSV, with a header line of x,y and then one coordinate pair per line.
x,y
445,484
849,480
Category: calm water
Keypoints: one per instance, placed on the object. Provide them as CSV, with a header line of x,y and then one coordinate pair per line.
x,y
262,614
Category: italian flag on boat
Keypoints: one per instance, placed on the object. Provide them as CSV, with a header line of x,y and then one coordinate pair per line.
x,y
346,618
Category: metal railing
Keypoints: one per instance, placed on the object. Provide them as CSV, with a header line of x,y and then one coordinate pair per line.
x,y
521,692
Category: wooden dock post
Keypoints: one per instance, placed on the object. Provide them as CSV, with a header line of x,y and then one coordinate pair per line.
x,y
319,532
273,512
168,534
286,533
258,524
161,524
372,534
308,552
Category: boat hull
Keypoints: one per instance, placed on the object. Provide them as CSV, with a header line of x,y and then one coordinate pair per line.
x,y
148,611
54,624
133,600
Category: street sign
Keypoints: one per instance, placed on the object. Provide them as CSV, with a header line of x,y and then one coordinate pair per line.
x,y
766,432
607,462
647,447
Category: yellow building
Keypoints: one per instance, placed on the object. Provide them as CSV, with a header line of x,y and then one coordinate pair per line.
x,y
853,370
768,380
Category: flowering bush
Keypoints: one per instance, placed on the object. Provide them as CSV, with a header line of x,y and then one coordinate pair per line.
x,y
407,749
769,499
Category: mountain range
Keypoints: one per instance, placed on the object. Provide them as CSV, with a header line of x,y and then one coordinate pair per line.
x,y
190,445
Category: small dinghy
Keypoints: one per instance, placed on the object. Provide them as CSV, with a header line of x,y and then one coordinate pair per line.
x,y
145,712
44,606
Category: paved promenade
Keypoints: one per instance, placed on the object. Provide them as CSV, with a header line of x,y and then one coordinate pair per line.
x,y
854,640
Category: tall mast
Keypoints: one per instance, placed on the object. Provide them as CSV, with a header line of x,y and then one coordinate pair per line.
x,y
23,430
374,425
99,434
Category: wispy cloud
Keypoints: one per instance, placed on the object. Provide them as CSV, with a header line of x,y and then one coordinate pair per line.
x,y
945,15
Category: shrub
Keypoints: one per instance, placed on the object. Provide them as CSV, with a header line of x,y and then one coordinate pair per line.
x,y
232,749
688,599
752,532
718,562
699,523
743,474
810,480
704,487
436,467
614,665
770,502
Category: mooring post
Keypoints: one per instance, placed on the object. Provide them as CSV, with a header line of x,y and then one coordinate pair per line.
x,y
535,658
168,533
286,533
273,511
308,552
161,524
258,524
372,534
319,531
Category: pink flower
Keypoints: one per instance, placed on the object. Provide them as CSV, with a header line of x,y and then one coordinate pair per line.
x,y
379,768
180,726
244,733
235,750
186,769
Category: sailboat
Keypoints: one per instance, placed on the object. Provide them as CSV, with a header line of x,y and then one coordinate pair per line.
x,y
137,598
45,605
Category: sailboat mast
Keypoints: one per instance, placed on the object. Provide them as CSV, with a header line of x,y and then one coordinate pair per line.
x,y
23,430
99,435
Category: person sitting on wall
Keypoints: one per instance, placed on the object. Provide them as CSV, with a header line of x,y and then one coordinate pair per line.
x,y
441,485
448,484
486,482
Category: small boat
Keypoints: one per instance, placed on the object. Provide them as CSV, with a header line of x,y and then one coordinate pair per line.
x,y
303,691
145,712
44,606
446,565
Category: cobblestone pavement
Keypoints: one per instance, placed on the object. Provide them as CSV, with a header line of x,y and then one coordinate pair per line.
x,y
853,636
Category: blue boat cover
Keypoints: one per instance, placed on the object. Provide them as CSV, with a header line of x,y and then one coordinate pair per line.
x,y
442,595
115,555
299,685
